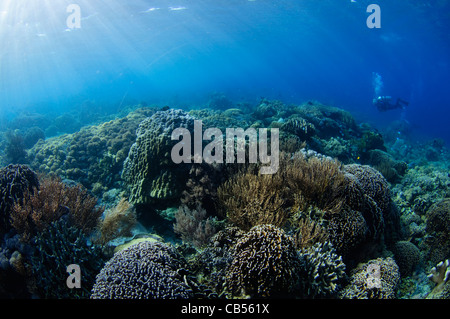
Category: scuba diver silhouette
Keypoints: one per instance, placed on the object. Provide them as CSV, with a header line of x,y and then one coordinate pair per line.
x,y
383,103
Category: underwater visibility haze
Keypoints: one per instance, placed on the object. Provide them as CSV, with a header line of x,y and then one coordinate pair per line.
x,y
354,93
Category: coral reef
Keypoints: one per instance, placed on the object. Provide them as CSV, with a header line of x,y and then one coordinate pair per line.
x,y
438,230
251,200
50,203
376,279
264,264
146,270
322,272
15,148
193,226
407,257
116,222
92,155
440,275
58,246
15,181
299,127
149,173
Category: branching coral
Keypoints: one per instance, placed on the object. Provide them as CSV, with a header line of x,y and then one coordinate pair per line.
x,y
376,279
147,270
322,271
251,200
317,181
49,203
308,232
58,246
265,263
117,222
15,181
193,226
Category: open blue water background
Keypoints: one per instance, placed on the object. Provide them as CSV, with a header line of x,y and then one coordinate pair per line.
x,y
179,52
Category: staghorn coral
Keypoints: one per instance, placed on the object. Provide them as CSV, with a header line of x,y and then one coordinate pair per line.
x,y
250,199
149,173
376,279
49,203
264,264
15,181
193,226
56,247
322,271
117,222
146,270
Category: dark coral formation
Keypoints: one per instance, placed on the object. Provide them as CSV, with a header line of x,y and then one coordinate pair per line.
x,y
48,204
147,270
264,264
407,256
193,226
15,181
438,226
322,272
149,172
92,156
376,279
57,247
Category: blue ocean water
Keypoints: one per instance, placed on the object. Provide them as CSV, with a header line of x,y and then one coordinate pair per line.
x,y
179,52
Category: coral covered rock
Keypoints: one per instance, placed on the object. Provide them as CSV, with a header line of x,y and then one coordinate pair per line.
x,y
93,155
407,256
58,246
376,279
149,172
322,271
265,263
438,230
147,270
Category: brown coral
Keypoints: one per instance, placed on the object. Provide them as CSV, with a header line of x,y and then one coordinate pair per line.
x,y
251,200
193,226
264,264
117,222
49,203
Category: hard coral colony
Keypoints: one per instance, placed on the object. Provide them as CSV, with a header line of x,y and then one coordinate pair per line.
x,y
344,217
